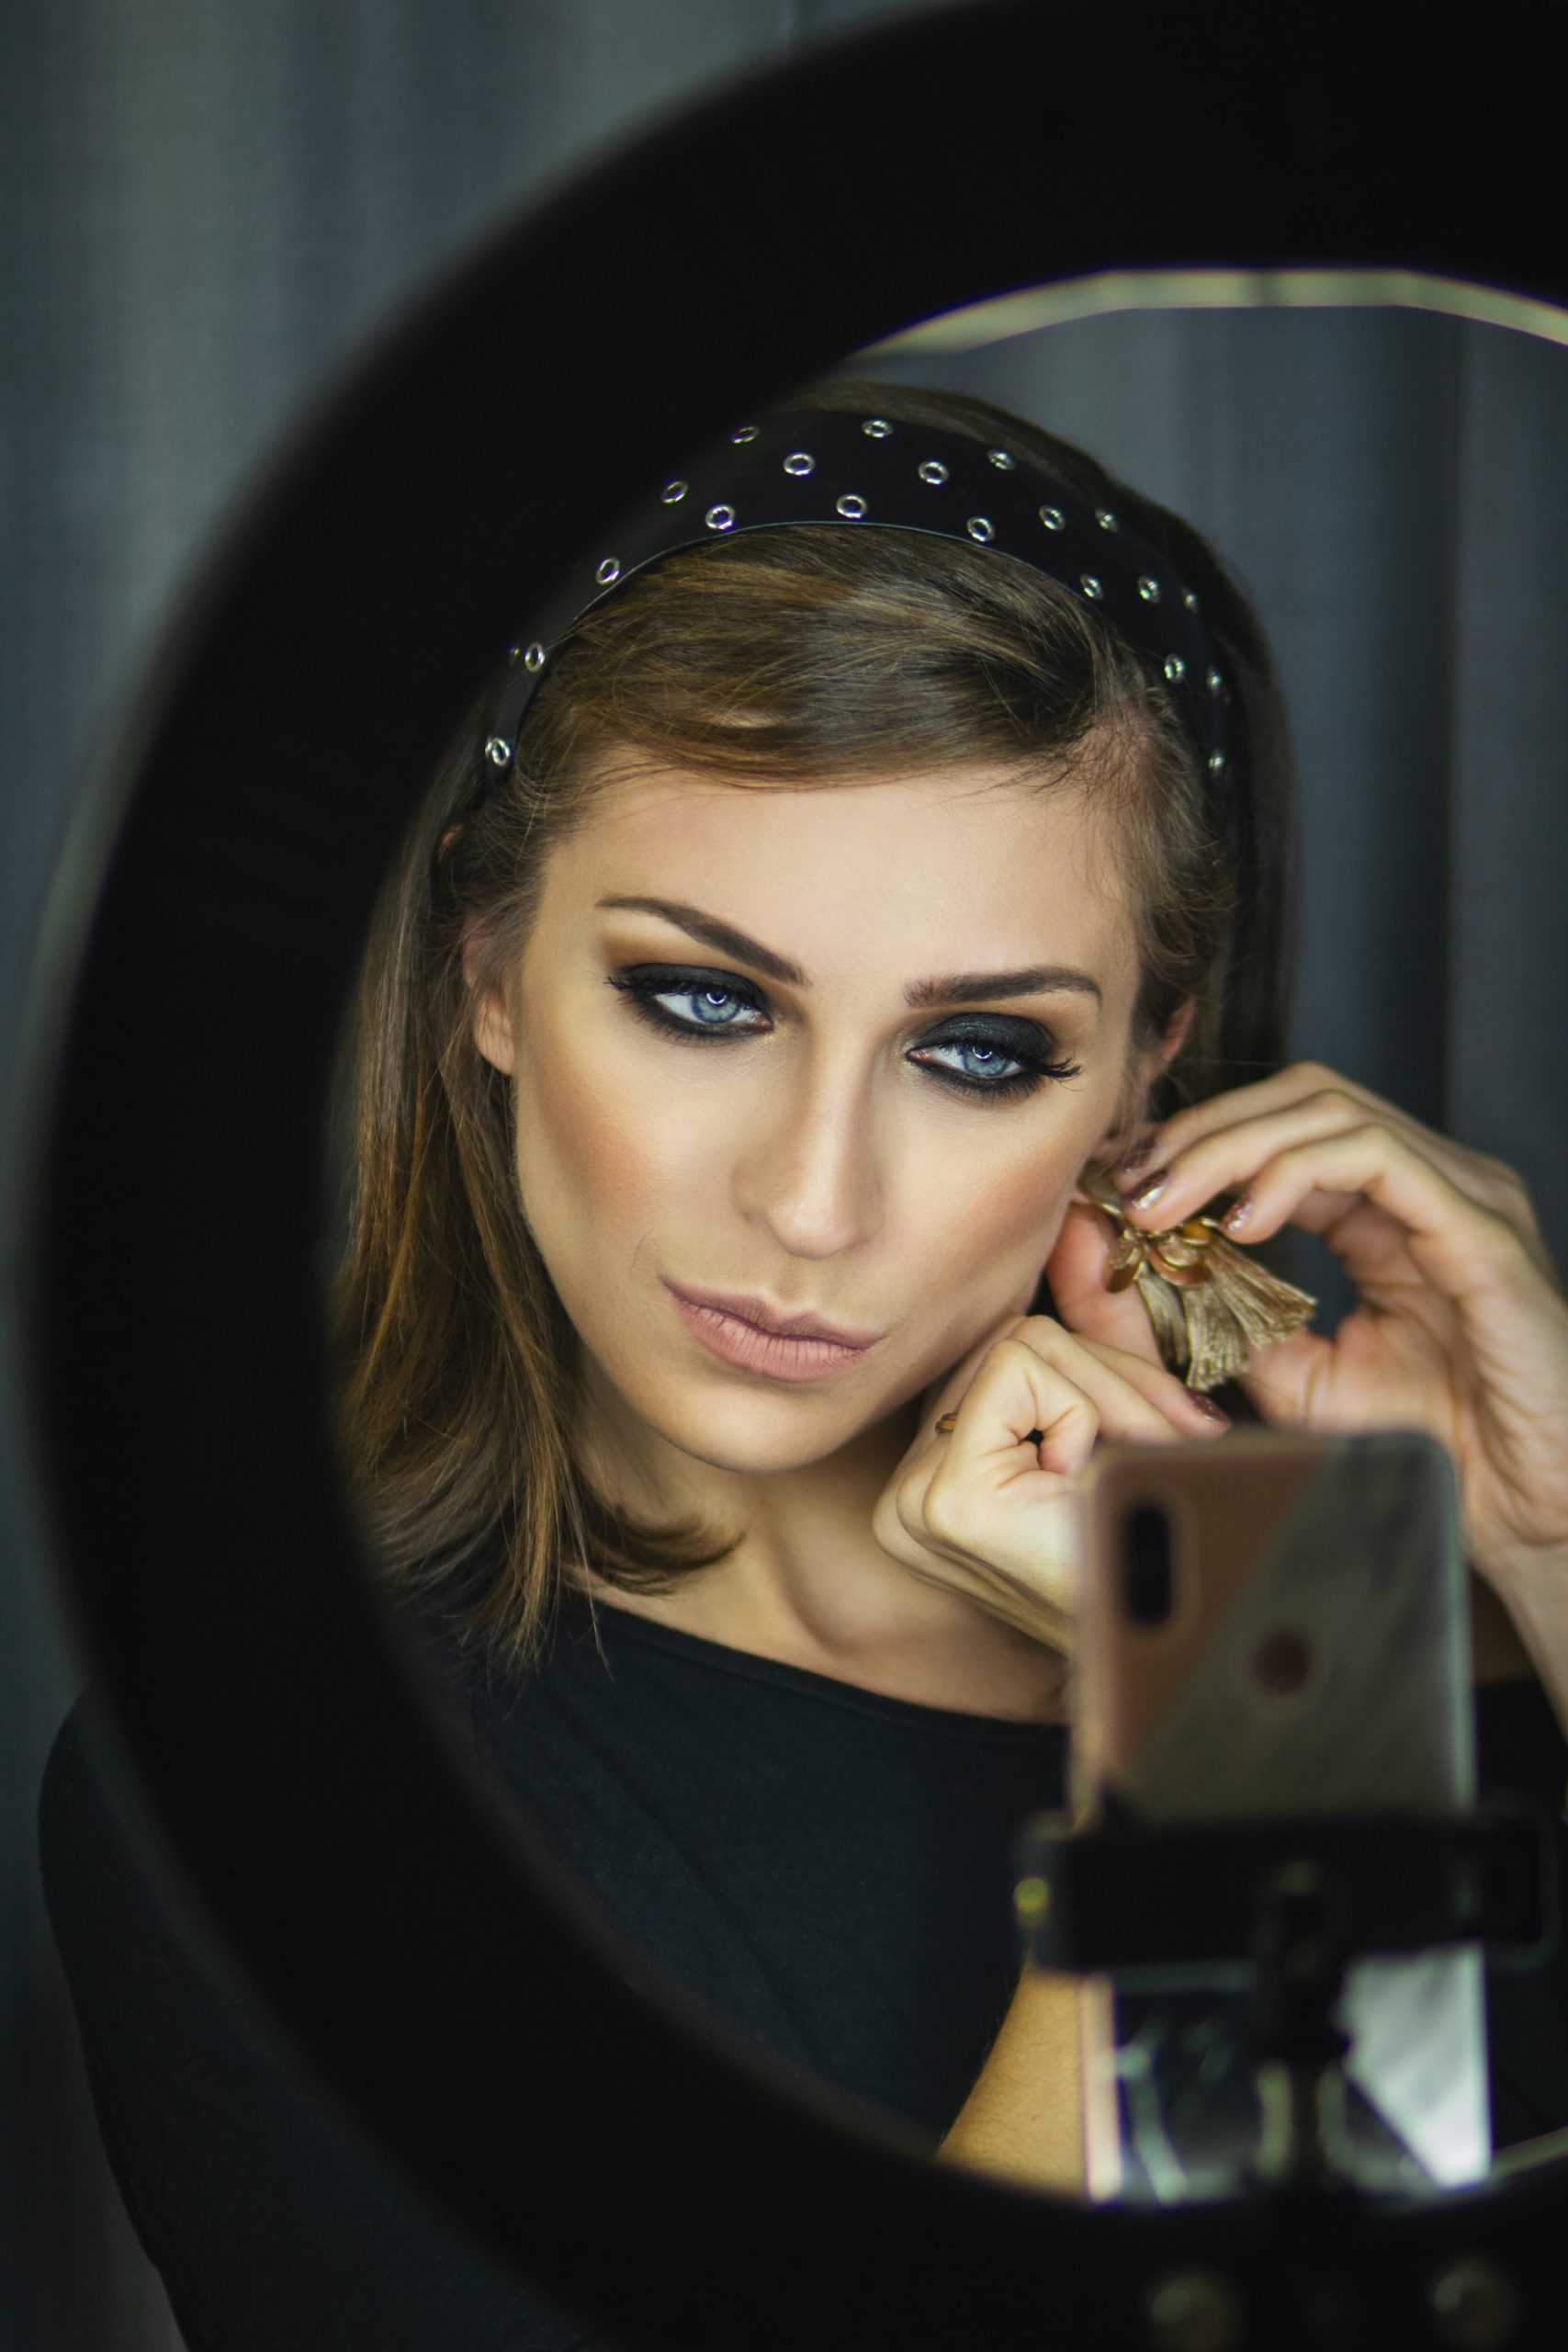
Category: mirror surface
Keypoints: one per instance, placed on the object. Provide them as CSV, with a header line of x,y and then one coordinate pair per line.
x,y
805,1764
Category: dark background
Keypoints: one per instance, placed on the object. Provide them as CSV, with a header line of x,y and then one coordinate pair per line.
x,y
203,214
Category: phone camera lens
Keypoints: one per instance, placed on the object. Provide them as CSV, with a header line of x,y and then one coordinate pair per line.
x,y
1282,1663
1147,1566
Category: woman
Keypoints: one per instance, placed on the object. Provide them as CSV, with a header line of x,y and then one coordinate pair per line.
x,y
830,892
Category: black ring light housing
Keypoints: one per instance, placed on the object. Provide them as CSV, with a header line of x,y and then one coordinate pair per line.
x,y
203,939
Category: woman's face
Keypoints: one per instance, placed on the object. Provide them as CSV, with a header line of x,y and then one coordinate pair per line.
x,y
835,1053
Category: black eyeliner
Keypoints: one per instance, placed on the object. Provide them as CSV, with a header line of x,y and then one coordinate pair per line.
x,y
1010,1035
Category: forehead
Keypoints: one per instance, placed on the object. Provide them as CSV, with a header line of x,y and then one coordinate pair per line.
x,y
969,866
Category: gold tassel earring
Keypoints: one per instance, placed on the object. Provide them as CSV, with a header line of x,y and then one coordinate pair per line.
x,y
1212,1306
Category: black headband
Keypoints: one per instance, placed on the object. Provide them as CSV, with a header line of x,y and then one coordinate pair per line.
x,y
824,466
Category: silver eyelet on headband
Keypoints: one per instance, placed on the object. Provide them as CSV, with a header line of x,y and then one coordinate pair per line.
x,y
1216,762
1053,518
720,518
800,462
1174,668
1190,600
746,432
852,506
533,659
1090,585
1106,520
514,652
498,751
934,471
1000,458
1149,590
609,571
673,492
876,428
981,527
1215,682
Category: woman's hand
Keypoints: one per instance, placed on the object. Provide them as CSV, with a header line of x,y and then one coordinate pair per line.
x,y
989,1511
1460,1326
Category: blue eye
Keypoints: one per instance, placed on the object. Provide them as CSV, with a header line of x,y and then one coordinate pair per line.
x,y
654,987
981,1061
998,1055
716,1008
711,1008
991,1067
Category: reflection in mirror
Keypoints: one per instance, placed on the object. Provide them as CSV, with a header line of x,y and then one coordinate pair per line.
x,y
794,947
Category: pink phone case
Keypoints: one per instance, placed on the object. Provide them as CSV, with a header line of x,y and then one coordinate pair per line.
x,y
1314,1659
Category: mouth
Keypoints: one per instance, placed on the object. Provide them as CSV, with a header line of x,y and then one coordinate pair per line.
x,y
751,1336
762,1318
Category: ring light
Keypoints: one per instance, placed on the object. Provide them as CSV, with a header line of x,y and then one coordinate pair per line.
x,y
205,934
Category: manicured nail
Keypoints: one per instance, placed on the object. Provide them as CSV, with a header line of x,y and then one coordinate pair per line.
x,y
1210,1410
1235,1216
1149,1191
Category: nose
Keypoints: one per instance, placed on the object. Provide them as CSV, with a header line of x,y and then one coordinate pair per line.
x,y
810,1172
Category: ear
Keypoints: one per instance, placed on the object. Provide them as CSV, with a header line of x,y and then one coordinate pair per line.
x,y
491,1029
1160,1057
1151,1064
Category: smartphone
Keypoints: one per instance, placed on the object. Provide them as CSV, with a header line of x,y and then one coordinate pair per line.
x,y
1276,1624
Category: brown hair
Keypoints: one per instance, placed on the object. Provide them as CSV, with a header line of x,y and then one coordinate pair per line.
x,y
787,658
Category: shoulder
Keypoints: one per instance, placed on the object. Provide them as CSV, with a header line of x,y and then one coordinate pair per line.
x,y
452,1638
90,1816
77,1823
132,1943
272,2217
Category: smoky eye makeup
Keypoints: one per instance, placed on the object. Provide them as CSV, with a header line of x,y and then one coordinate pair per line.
x,y
987,1055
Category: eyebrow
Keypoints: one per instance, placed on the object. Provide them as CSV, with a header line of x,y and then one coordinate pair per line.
x,y
944,988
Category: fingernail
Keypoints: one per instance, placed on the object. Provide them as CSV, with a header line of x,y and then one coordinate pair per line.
x,y
1136,1159
1150,1191
1209,1409
1235,1216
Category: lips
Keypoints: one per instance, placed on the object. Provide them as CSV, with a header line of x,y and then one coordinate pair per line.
x,y
763,1318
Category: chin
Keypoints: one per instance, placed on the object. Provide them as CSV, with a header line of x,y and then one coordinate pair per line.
x,y
760,1436
755,1431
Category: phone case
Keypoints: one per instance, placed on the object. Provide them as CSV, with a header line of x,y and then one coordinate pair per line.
x,y
1315,1659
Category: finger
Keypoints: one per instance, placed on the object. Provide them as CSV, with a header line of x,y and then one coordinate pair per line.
x,y
1106,1374
1487,1181
995,1498
1263,1096
1076,1271
994,1501
1465,1252
1016,1391
996,1505
1230,1154
1027,1430
1131,1398
1188,1413
947,1392
1291,1385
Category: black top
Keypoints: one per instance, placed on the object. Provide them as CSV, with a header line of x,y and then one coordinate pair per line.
x,y
823,1868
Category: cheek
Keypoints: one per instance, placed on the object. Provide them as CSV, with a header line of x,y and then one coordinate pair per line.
x,y
600,1145
1008,1218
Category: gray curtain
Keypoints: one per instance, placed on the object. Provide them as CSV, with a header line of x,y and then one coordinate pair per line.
x,y
203,213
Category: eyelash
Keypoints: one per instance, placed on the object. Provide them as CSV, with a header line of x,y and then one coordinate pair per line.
x,y
649,981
